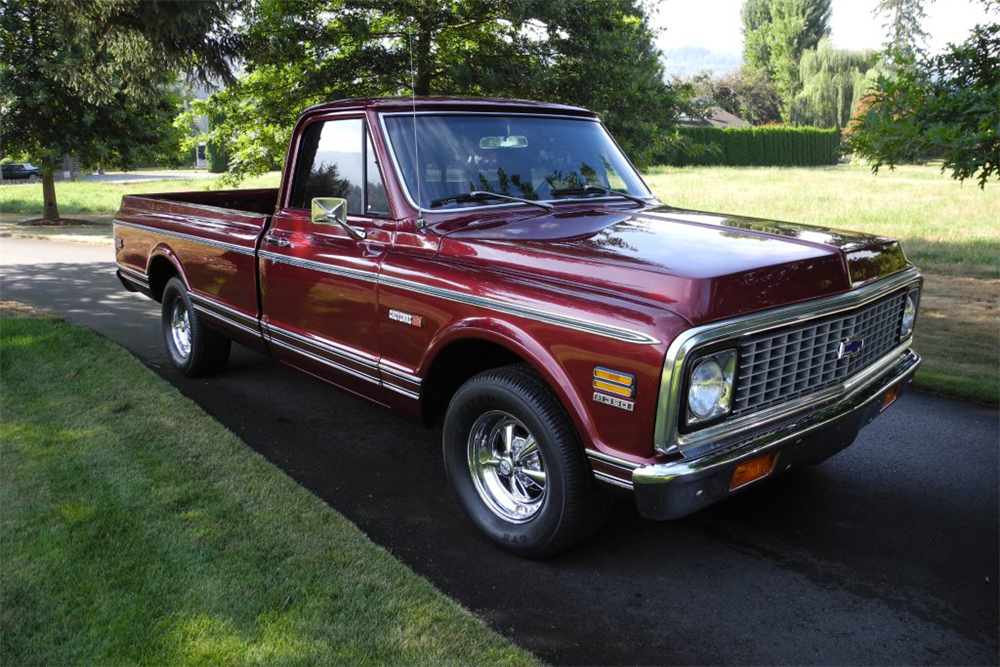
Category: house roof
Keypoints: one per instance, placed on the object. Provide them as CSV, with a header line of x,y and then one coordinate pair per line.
x,y
716,117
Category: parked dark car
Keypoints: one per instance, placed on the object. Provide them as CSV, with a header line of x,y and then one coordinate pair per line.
x,y
20,171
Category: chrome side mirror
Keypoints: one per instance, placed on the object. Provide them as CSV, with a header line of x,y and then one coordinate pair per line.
x,y
333,211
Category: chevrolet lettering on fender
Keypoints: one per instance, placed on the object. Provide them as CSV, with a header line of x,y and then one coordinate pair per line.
x,y
500,267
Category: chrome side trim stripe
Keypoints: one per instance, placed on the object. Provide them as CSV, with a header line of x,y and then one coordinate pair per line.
x,y
232,247
132,274
134,280
613,460
228,310
324,361
577,324
586,326
225,320
604,477
345,354
399,390
323,345
345,272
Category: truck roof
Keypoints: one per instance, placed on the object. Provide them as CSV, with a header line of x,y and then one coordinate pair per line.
x,y
444,103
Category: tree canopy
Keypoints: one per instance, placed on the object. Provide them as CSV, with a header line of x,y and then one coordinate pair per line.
x,y
299,53
746,93
92,78
945,106
902,23
776,33
833,81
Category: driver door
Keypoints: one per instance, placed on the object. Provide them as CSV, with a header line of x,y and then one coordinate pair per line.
x,y
319,284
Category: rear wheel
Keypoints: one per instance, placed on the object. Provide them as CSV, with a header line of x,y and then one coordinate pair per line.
x,y
193,348
517,465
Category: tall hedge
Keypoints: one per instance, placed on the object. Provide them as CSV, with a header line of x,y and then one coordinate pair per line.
x,y
766,146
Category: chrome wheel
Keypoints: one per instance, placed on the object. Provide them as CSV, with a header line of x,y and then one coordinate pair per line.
x,y
180,329
506,466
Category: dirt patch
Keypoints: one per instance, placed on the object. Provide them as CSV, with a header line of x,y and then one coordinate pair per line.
x,y
61,222
18,309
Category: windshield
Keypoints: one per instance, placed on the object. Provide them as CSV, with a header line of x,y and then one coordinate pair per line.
x,y
531,157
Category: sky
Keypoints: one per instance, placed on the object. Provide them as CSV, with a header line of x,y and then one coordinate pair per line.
x,y
715,25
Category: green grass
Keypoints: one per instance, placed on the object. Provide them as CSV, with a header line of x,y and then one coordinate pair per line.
x,y
105,198
950,230
136,530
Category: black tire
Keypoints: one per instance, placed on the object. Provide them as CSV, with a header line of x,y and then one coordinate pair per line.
x,y
570,508
208,350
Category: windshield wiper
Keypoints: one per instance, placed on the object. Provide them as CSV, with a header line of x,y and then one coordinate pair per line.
x,y
597,188
479,195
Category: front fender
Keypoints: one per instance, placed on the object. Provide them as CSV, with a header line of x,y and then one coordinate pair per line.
x,y
566,360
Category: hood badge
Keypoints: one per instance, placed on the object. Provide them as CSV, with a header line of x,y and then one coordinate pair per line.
x,y
850,348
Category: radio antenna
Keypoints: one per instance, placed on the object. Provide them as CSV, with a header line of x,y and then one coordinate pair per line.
x,y
416,149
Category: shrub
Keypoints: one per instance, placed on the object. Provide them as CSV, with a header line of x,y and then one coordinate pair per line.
x,y
763,146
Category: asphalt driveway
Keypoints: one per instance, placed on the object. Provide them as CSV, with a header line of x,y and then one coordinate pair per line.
x,y
887,554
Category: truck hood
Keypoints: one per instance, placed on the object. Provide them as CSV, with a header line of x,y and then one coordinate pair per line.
x,y
701,266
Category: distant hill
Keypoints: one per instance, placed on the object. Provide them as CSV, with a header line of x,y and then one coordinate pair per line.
x,y
687,61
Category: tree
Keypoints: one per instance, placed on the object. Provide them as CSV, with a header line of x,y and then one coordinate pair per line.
x,y
904,34
597,54
601,55
747,93
758,17
945,106
92,78
833,82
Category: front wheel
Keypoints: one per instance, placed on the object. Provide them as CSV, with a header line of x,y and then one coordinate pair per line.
x,y
194,349
517,465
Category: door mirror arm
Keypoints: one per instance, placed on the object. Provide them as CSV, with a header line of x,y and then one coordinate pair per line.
x,y
333,211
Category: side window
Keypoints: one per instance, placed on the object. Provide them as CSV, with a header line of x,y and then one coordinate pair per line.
x,y
376,202
330,164
337,159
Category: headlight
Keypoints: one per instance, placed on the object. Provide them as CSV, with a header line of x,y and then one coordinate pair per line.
x,y
909,313
710,386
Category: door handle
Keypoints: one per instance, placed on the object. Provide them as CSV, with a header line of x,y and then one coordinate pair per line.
x,y
279,241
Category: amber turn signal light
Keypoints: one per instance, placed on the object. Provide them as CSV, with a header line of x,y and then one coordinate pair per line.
x,y
889,398
752,470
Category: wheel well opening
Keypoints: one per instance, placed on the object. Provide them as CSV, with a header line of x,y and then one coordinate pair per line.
x,y
160,271
453,366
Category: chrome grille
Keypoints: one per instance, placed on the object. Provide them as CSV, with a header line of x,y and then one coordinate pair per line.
x,y
783,363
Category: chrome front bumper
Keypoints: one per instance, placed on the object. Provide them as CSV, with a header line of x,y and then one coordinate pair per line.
x,y
676,489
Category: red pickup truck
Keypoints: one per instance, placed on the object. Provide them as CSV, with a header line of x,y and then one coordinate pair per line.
x,y
500,267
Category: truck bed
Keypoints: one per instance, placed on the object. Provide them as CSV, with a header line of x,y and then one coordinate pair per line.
x,y
213,234
258,200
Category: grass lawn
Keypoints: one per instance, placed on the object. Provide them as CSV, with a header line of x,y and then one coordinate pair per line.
x,y
951,231
137,530
103,199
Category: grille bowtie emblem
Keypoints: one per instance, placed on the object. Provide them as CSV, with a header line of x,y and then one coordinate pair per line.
x,y
850,348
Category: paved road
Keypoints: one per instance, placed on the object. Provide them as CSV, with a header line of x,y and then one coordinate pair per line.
x,y
887,554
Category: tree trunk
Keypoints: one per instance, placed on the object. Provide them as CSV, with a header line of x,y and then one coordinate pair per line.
x,y
50,210
422,61
422,86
